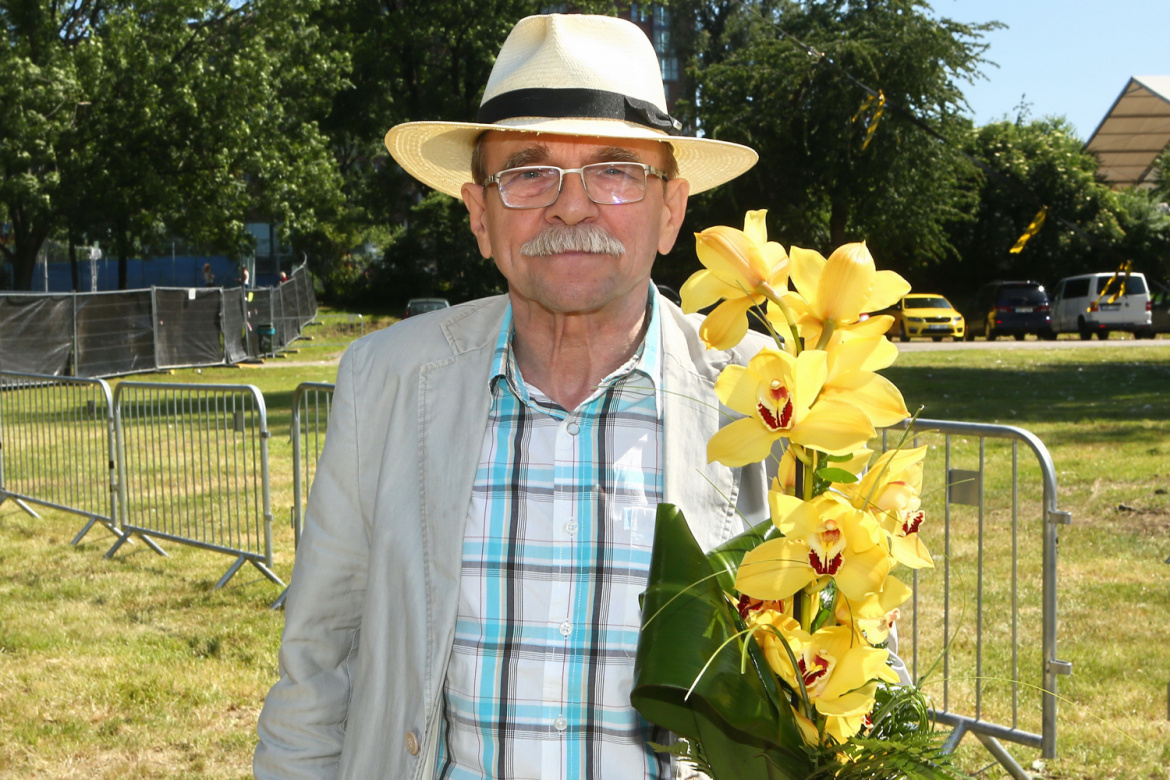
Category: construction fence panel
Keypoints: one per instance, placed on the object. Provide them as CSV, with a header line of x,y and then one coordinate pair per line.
x,y
57,446
311,405
193,468
114,333
188,326
105,334
235,342
980,631
36,333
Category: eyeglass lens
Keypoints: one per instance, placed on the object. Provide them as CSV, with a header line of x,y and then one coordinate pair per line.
x,y
605,183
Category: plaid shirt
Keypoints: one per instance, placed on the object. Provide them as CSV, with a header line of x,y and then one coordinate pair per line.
x,y
555,554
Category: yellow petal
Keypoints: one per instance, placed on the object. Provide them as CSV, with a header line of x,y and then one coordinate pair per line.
x,y
732,256
775,569
910,552
804,269
888,289
873,394
846,284
863,573
754,226
703,289
736,388
740,443
833,427
851,704
727,324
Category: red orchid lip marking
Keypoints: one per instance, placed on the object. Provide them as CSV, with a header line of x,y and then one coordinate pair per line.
x,y
821,567
912,524
781,401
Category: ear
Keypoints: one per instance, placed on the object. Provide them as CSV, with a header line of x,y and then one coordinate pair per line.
x,y
474,200
674,208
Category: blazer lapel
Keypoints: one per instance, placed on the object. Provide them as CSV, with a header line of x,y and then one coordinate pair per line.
x,y
706,492
453,406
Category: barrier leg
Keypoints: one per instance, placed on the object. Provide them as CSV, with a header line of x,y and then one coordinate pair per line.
x,y
279,603
955,737
5,496
995,748
95,519
230,572
145,540
267,572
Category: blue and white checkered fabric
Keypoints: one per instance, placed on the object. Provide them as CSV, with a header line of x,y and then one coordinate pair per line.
x,y
556,552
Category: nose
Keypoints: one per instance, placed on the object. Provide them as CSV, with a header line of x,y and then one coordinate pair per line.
x,y
573,204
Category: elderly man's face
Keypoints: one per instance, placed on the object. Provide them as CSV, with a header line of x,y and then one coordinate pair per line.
x,y
575,281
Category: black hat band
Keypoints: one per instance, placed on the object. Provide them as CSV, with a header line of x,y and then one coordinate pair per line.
x,y
577,103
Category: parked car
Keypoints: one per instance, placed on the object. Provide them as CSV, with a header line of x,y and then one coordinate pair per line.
x,y
422,305
1160,308
1010,309
1099,303
925,314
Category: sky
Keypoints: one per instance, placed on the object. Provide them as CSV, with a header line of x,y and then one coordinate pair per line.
x,y
1069,58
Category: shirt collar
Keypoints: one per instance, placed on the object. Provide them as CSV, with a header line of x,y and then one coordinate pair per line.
x,y
647,359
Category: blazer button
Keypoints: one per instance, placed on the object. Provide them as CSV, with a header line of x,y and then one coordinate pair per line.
x,y
411,743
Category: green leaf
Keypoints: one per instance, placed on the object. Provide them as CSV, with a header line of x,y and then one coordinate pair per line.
x,y
840,476
686,619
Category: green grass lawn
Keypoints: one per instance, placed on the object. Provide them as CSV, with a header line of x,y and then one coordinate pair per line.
x,y
136,668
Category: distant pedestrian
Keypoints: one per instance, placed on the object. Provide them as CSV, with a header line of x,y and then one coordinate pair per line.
x,y
208,276
245,280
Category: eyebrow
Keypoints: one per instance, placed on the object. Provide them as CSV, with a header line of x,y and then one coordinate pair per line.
x,y
538,154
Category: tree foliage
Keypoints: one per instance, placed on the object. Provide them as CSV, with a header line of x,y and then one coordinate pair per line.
x,y
138,119
822,183
1089,227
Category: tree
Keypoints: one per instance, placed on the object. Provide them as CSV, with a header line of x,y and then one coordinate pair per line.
x,y
180,116
1027,166
40,96
824,179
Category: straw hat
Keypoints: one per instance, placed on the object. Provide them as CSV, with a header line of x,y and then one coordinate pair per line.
x,y
568,75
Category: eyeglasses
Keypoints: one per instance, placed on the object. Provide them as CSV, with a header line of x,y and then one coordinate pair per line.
x,y
607,183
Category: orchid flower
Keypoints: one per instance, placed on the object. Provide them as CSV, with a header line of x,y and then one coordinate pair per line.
x,y
775,392
874,615
823,538
890,489
743,269
834,293
839,673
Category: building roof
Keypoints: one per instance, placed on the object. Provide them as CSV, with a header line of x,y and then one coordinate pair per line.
x,y
1134,132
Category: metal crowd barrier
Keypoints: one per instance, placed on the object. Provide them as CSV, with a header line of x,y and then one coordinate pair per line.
x,y
193,468
57,447
311,404
996,540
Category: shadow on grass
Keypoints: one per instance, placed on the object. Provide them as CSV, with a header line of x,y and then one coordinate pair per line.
x,y
1090,393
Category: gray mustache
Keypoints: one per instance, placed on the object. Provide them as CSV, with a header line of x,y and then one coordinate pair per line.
x,y
556,239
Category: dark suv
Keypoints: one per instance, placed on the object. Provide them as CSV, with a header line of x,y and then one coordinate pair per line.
x,y
1010,308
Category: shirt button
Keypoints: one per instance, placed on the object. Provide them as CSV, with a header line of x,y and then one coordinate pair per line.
x,y
560,723
411,743
573,428
571,527
566,628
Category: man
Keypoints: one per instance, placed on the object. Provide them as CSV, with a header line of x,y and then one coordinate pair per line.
x,y
465,599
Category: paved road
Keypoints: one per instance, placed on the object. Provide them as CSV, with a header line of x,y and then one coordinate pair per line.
x,y
1117,342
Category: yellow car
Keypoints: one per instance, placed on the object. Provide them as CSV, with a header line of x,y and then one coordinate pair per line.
x,y
925,314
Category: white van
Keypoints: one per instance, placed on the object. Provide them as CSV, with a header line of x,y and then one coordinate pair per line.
x,y
1099,303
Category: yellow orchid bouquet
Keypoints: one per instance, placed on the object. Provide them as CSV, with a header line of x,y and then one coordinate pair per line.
x,y
769,656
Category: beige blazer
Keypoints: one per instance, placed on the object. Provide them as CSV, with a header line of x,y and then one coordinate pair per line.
x,y
370,614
